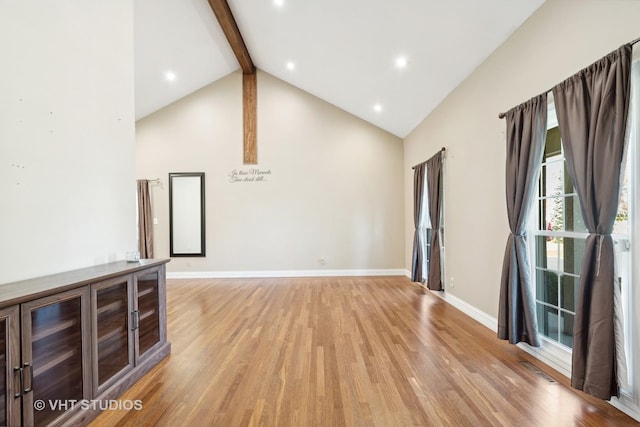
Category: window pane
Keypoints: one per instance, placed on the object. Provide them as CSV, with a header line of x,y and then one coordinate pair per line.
x,y
572,254
566,329
558,260
553,145
547,286
548,322
547,252
553,178
621,225
427,251
554,212
541,251
573,215
569,292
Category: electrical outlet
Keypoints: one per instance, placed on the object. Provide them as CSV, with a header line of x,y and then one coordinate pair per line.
x,y
322,260
451,285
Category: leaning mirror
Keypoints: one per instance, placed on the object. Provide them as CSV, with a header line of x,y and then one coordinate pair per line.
x,y
186,214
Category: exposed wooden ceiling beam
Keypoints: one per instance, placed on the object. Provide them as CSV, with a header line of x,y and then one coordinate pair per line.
x,y
250,118
230,28
249,79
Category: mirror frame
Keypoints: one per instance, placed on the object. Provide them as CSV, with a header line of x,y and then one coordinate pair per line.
x,y
177,176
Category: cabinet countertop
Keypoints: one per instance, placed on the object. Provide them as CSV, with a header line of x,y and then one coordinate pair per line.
x,y
30,289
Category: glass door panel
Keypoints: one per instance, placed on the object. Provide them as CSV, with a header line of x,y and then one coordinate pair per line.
x,y
112,340
148,312
54,354
10,363
4,370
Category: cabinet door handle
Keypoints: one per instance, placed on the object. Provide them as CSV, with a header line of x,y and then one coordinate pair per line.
x,y
30,388
17,370
135,320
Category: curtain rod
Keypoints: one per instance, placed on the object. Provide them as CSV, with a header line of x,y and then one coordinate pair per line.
x,y
442,151
157,180
631,43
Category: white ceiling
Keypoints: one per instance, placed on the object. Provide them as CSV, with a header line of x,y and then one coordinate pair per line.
x,y
344,50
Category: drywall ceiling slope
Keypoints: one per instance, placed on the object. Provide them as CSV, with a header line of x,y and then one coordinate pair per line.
x,y
344,51
180,37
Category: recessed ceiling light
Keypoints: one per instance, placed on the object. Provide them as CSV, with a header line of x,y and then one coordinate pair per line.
x,y
170,76
278,3
377,108
291,66
401,61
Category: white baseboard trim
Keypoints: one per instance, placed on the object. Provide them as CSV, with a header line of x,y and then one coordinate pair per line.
x,y
281,273
626,405
471,311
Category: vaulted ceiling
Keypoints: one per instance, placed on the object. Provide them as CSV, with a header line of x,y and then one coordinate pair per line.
x,y
388,62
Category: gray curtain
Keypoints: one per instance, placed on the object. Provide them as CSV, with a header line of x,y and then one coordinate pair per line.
x,y
592,109
434,185
417,275
145,226
526,134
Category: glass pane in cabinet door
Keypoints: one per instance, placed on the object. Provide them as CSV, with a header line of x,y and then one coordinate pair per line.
x,y
149,329
56,344
113,336
3,370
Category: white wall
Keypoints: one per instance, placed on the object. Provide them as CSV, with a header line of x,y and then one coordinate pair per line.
x,y
561,38
334,189
66,135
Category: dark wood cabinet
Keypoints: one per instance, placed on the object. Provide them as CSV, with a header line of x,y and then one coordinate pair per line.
x,y
77,337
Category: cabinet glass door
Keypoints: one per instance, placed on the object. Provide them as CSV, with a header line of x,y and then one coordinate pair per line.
x,y
54,355
148,311
5,370
9,359
113,335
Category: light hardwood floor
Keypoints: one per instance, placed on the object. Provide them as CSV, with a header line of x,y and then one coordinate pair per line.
x,y
342,352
